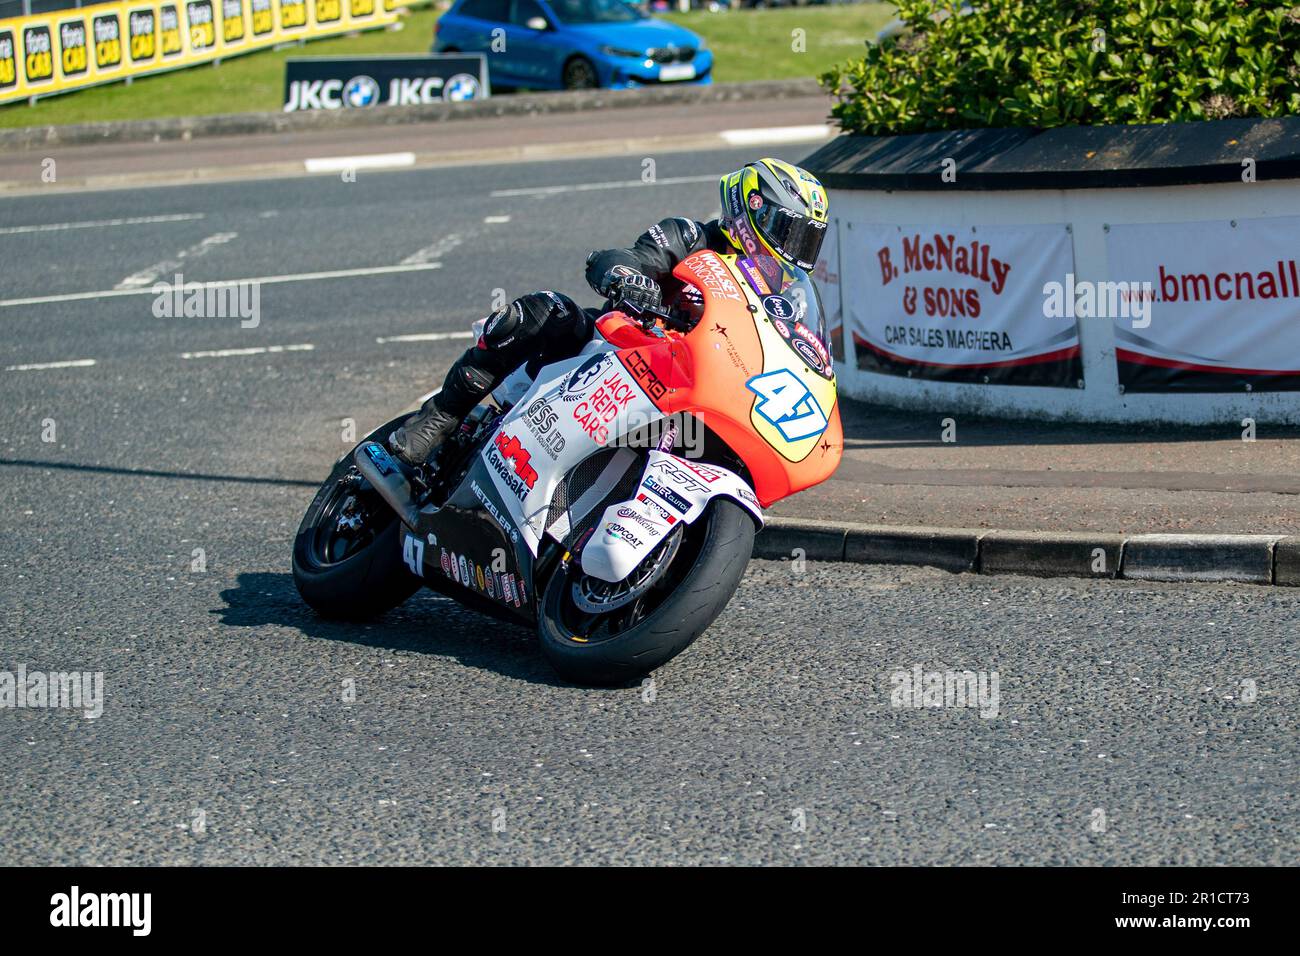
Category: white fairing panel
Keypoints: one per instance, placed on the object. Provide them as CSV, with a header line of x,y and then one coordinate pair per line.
x,y
672,489
575,407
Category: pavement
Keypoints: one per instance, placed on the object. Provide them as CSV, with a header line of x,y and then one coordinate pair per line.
x,y
158,469
689,125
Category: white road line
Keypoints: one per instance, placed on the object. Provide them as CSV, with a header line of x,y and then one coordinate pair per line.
x,y
496,219
434,251
40,366
260,350
775,134
99,223
584,187
424,337
261,280
151,274
337,164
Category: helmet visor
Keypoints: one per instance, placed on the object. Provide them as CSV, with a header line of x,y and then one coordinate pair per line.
x,y
796,238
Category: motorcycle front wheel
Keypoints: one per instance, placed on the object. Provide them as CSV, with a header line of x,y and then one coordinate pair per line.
x,y
681,587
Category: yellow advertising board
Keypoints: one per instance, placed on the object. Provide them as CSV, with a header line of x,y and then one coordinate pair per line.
x,y
68,49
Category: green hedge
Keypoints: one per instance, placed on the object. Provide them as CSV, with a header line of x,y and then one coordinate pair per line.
x,y
1050,63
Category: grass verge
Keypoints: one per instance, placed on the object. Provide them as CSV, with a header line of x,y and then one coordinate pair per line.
x,y
746,44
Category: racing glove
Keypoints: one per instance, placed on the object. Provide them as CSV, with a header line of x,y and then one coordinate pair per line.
x,y
639,291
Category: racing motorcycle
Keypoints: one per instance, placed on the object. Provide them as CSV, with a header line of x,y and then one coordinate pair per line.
x,y
610,500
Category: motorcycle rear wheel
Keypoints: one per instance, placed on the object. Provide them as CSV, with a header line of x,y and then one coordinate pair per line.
x,y
626,644
351,575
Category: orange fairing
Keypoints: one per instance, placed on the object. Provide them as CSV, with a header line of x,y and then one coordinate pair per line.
x,y
739,374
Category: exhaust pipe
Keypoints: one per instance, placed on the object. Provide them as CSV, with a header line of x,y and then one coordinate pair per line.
x,y
378,468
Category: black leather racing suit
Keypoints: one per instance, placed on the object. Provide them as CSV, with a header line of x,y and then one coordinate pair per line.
x,y
543,327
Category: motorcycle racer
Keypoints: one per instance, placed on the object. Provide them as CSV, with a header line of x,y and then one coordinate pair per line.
x,y
772,211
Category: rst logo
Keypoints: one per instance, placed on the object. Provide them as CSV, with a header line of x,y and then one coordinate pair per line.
x,y
170,30
203,26
140,35
232,20
38,54
640,368
8,60
72,47
108,41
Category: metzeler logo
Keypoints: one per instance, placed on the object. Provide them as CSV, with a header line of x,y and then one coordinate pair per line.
x,y
103,909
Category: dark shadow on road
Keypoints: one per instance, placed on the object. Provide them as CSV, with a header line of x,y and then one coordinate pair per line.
x,y
153,473
426,624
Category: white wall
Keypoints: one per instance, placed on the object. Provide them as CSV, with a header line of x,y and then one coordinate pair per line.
x,y
1088,212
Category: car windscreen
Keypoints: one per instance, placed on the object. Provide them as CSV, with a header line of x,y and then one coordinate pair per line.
x,y
594,11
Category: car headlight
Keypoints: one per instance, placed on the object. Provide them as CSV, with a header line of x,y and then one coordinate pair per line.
x,y
616,51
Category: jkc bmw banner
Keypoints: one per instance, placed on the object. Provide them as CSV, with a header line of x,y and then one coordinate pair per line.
x,y
68,49
960,305
1226,310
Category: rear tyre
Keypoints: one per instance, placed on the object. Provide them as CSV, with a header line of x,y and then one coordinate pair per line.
x,y
618,647
347,557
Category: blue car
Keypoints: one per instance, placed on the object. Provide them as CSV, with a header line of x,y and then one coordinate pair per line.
x,y
572,44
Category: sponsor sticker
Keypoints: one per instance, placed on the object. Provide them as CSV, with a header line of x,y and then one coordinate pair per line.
x,y
636,517
657,508
667,494
511,462
540,418
640,368
621,533
778,307
595,412
586,376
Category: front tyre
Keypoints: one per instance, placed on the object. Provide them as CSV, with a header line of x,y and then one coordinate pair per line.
x,y
703,570
347,557
580,74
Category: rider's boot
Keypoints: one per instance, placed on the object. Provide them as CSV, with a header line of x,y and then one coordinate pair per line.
x,y
467,384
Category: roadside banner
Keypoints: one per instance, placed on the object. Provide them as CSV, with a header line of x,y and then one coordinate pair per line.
x,y
69,49
961,304
338,82
1226,310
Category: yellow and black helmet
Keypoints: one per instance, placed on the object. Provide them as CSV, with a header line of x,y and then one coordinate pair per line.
x,y
772,208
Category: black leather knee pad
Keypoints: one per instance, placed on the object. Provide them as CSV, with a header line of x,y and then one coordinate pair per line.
x,y
538,324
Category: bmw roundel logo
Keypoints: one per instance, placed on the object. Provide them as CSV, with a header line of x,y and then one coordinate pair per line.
x,y
361,91
460,87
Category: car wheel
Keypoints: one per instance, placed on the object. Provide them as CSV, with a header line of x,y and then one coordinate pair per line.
x,y
579,74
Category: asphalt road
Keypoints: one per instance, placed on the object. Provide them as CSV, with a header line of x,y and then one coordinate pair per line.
x,y
1170,709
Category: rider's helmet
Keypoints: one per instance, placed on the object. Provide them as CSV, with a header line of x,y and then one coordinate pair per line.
x,y
775,213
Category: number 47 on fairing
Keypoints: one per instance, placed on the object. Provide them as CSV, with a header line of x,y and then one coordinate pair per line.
x,y
787,404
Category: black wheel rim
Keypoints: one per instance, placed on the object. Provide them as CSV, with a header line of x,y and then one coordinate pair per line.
x,y
349,520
